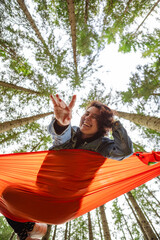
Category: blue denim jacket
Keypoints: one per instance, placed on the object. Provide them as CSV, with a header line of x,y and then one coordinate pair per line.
x,y
118,149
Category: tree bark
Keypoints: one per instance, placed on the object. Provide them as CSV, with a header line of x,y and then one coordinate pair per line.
x,y
146,226
146,121
47,235
151,193
33,25
90,227
86,11
66,231
30,19
12,235
54,234
139,223
10,85
99,224
6,126
105,226
72,20
146,17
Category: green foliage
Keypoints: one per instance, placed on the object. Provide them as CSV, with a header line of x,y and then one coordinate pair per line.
x,y
143,85
5,230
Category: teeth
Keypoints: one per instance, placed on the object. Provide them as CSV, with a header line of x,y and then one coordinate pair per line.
x,y
86,124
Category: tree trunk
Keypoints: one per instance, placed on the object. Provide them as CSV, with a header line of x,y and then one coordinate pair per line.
x,y
99,224
47,235
86,11
151,193
72,20
90,227
54,234
146,121
6,126
105,226
10,85
139,223
146,17
150,222
69,231
34,26
31,20
127,226
12,235
66,231
146,226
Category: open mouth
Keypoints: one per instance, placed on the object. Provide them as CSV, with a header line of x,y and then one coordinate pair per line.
x,y
86,124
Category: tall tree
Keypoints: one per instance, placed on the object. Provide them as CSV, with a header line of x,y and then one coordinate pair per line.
x,y
6,126
90,226
54,233
146,226
147,121
47,235
106,231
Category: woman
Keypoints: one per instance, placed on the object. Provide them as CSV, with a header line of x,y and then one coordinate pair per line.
x,y
90,135
96,122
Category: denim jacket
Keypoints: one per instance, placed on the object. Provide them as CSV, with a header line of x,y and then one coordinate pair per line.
x,y
118,149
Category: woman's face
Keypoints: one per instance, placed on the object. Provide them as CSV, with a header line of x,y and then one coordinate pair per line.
x,y
88,123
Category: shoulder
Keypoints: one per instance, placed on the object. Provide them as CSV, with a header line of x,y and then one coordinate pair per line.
x,y
107,140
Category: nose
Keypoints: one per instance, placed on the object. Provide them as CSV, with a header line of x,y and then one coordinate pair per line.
x,y
88,116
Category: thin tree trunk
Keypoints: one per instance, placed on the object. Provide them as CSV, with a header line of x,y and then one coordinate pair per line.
x,y
156,94
150,192
34,26
139,223
127,226
150,221
66,231
10,85
47,235
90,227
12,235
72,20
146,121
146,17
6,126
31,20
153,210
146,226
86,11
105,226
99,224
69,231
54,234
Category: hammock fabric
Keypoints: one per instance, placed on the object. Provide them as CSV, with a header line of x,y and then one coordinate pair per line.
x,y
57,186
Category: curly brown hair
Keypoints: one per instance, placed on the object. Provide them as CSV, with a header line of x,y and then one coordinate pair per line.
x,y
105,119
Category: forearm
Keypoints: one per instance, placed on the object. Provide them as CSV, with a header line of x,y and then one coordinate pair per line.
x,y
122,147
59,134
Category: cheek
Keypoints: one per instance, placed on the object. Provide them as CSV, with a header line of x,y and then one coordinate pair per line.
x,y
82,118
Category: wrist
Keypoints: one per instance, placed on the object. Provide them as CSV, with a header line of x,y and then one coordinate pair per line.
x,y
60,124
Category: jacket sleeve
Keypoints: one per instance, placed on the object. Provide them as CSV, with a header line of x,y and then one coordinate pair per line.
x,y
59,139
121,147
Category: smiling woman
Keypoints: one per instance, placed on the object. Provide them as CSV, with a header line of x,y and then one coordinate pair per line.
x,y
90,135
97,119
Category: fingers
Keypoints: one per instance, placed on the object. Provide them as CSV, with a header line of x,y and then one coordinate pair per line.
x,y
57,101
72,103
53,100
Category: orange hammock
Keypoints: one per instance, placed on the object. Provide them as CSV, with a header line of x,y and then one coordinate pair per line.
x,y
57,186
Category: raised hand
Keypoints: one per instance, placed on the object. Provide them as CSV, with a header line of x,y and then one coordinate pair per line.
x,y
63,113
